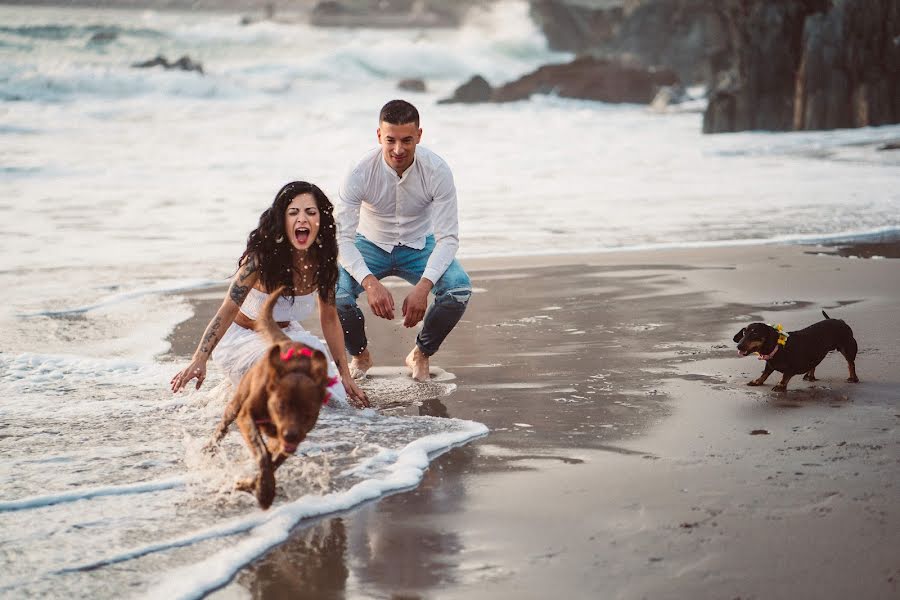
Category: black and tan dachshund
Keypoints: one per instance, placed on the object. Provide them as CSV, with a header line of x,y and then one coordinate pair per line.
x,y
797,352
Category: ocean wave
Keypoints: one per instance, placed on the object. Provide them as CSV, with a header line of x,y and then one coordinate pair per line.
x,y
65,32
879,234
95,60
163,287
142,487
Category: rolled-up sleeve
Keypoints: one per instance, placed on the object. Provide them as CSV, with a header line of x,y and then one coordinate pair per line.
x,y
350,198
445,219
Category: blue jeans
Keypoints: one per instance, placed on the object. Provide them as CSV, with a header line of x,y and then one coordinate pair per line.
x,y
451,293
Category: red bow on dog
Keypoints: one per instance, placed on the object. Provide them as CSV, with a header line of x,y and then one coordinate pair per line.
x,y
286,356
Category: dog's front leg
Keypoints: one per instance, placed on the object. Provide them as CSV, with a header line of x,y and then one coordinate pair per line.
x,y
762,378
264,483
231,412
810,375
781,386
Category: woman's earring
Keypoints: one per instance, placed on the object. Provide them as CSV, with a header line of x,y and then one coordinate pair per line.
x,y
279,239
319,242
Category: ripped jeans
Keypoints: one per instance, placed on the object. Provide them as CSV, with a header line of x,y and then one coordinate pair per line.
x,y
451,293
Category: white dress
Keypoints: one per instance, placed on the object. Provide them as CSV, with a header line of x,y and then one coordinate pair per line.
x,y
240,348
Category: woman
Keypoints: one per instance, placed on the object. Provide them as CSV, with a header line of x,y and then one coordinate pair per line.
x,y
295,246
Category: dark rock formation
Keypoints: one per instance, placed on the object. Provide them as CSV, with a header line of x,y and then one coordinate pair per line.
x,y
184,64
849,73
411,85
585,77
690,37
591,79
770,64
473,91
808,64
104,36
577,28
757,92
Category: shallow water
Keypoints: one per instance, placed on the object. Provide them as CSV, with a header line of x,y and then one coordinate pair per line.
x,y
106,486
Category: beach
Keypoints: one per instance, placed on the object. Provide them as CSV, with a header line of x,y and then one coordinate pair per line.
x,y
626,457
587,431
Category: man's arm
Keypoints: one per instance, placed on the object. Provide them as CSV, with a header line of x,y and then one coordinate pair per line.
x,y
445,219
350,199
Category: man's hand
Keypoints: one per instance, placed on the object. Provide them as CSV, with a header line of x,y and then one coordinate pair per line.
x,y
415,303
380,300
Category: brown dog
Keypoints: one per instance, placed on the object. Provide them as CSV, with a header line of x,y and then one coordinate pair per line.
x,y
281,396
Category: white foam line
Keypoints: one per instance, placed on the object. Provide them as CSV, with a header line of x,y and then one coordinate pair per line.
x,y
169,288
272,528
86,493
856,235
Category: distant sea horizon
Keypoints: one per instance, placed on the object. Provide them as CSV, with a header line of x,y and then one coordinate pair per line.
x,y
241,6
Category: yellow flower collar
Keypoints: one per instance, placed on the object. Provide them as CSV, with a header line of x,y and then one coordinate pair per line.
x,y
782,335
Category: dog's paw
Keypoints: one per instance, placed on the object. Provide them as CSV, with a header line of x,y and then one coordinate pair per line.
x,y
265,489
210,448
246,485
809,377
754,382
779,388
853,379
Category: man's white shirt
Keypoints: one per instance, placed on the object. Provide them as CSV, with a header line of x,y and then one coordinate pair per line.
x,y
391,211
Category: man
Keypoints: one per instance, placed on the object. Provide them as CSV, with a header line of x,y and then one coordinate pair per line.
x,y
397,216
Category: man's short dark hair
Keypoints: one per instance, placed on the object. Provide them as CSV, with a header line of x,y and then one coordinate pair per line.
x,y
399,112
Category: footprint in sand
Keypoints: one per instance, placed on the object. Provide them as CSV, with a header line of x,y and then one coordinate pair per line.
x,y
392,387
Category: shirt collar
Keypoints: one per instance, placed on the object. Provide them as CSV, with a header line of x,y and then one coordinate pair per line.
x,y
391,170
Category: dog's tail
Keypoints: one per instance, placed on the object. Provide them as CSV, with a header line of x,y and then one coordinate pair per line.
x,y
825,314
266,324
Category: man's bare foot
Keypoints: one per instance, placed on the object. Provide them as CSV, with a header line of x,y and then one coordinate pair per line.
x,y
418,362
360,364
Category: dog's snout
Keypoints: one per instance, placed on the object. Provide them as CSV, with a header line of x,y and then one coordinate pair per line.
x,y
292,436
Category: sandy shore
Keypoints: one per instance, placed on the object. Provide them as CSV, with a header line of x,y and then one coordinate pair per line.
x,y
622,461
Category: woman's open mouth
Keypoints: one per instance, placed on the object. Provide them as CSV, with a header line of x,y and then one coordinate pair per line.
x,y
301,234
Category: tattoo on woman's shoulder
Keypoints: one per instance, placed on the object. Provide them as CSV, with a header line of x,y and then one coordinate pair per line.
x,y
248,268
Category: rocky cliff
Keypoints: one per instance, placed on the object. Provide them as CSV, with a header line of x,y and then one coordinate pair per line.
x,y
688,36
769,64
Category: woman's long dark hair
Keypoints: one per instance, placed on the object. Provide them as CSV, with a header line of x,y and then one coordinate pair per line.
x,y
273,257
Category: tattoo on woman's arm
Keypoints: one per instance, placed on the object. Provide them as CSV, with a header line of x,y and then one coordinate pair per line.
x,y
211,336
238,293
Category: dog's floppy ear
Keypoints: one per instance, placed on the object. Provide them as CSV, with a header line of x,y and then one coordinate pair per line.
x,y
274,359
318,367
739,334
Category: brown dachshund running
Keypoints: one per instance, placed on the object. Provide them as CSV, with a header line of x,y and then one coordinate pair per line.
x,y
797,352
281,396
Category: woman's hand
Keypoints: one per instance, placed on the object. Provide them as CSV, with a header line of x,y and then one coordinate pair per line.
x,y
197,369
355,395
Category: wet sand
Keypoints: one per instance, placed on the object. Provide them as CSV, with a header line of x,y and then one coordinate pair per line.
x,y
627,458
